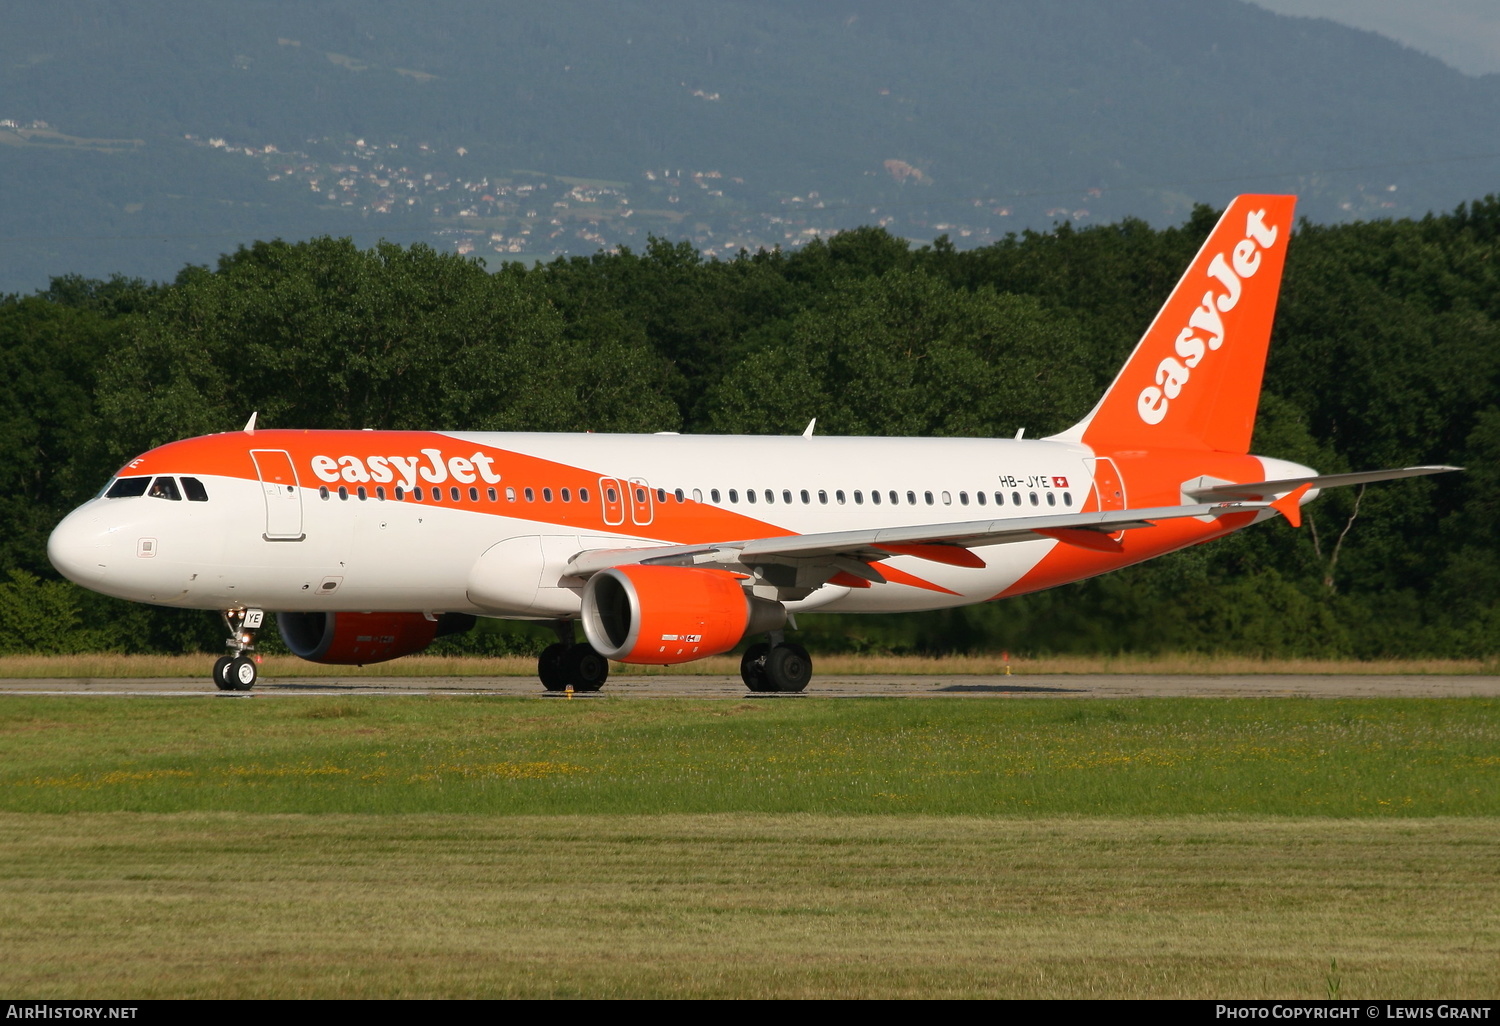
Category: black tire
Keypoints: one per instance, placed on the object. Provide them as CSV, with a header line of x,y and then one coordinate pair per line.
x,y
242,673
221,673
788,668
549,667
753,667
584,668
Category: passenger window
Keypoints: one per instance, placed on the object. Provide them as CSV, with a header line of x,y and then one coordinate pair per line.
x,y
947,498
749,494
610,495
510,494
323,492
806,499
713,494
1067,498
343,493
927,497
400,493
165,488
786,496
822,497
127,488
1051,499
530,495
770,496
492,496
999,498
437,494
453,493
640,496
679,495
875,496
839,496
473,494
859,497
734,496
1034,499
380,492
1015,498
911,498
583,495
698,495
661,495
979,497
363,495
963,498
195,492
416,493
567,495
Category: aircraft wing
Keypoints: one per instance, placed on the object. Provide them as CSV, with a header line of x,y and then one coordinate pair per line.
x,y
853,551
1206,491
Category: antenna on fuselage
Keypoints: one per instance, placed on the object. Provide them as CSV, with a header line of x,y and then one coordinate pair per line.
x,y
808,433
1020,432
250,424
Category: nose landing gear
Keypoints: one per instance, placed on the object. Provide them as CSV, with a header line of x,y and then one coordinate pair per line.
x,y
237,672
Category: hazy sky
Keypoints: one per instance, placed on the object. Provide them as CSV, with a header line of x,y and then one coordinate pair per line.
x,y
1462,33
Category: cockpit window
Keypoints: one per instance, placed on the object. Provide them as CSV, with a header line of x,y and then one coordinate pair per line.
x,y
165,488
127,488
194,490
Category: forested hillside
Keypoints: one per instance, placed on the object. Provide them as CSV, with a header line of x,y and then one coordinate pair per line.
x,y
137,137
1386,353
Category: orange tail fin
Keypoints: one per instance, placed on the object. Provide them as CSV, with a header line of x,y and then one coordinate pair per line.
x,y
1193,381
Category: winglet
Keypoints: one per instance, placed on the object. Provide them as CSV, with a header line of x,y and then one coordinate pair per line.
x,y
250,424
1290,505
808,432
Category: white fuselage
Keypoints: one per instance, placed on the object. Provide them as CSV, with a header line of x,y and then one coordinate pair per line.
x,y
317,548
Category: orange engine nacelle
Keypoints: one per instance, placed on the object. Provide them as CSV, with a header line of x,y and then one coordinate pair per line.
x,y
347,639
671,614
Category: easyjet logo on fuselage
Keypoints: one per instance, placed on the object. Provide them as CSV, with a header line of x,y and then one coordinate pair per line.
x,y
1205,328
430,467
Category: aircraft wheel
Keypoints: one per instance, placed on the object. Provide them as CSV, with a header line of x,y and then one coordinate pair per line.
x,y
549,667
241,673
753,667
221,673
584,668
788,668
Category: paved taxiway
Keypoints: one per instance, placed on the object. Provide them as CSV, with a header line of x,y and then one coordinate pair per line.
x,y
830,686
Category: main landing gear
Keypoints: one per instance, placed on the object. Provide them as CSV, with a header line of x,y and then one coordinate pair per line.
x,y
780,666
570,663
237,672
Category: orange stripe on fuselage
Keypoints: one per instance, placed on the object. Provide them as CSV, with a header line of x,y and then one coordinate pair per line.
x,y
1150,479
228,455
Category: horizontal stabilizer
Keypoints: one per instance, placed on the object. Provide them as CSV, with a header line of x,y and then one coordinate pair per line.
x,y
1263,489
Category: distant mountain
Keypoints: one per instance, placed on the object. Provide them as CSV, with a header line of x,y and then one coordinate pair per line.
x,y
135,138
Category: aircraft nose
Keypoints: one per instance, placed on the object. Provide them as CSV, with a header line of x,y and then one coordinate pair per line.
x,y
78,547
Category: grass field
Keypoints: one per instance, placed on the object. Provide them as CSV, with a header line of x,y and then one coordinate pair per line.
x,y
113,666
232,905
864,847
